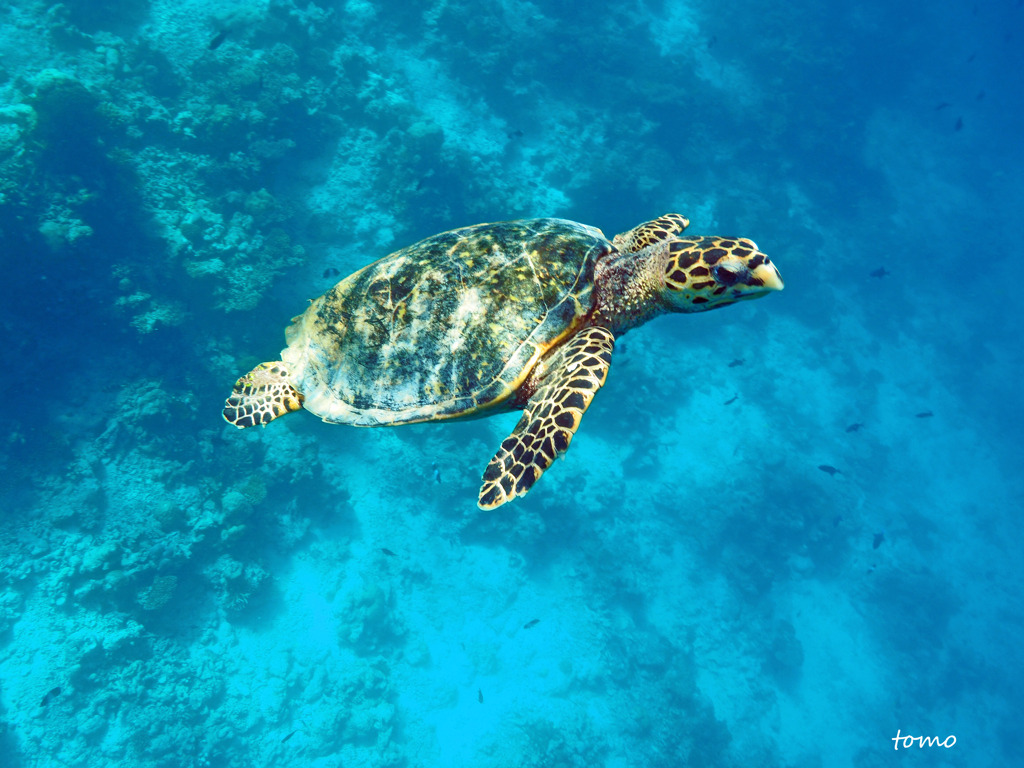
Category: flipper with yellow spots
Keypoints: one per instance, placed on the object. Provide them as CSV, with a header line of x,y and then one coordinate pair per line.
x,y
650,232
551,417
261,396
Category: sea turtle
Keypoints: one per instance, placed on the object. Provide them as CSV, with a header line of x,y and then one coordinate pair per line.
x,y
491,318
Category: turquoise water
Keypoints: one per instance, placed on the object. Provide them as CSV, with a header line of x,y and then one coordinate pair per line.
x,y
785,532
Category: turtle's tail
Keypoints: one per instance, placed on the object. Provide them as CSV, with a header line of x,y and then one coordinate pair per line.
x,y
261,396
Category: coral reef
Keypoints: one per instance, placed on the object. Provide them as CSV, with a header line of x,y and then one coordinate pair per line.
x,y
177,178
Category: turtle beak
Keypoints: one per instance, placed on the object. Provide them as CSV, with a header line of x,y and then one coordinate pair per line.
x,y
767,276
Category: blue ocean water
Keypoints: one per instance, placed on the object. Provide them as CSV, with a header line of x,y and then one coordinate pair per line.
x,y
787,531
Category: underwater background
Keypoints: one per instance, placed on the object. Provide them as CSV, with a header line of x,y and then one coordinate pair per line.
x,y
785,532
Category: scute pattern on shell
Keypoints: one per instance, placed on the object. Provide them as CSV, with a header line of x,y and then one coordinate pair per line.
x,y
444,327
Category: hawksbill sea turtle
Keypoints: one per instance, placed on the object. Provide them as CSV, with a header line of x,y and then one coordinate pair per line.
x,y
517,315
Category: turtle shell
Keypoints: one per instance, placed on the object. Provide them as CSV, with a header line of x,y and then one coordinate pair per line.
x,y
446,328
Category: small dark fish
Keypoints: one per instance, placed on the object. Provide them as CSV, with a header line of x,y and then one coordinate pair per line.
x,y
980,96
972,57
388,552
51,694
829,470
943,105
479,695
712,41
516,134
737,362
924,415
289,736
531,623
959,124
331,272
876,542
218,40
731,400
881,272
855,426
836,521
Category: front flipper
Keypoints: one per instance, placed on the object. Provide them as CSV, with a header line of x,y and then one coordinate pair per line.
x,y
551,417
662,228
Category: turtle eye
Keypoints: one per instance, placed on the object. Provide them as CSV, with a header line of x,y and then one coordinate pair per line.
x,y
725,275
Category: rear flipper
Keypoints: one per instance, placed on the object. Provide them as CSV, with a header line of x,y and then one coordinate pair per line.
x,y
551,417
261,396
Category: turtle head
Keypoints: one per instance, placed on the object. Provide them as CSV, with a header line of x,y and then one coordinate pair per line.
x,y
702,273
